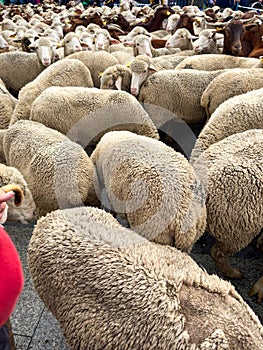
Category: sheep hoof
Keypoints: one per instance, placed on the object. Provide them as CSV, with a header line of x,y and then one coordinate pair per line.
x,y
257,290
233,274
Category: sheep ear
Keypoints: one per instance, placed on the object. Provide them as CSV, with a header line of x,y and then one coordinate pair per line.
x,y
114,41
152,68
118,83
192,37
128,43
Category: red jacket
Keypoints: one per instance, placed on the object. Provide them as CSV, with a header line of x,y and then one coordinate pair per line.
x,y
11,276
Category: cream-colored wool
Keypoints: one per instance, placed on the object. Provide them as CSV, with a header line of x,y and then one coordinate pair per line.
x,y
7,106
215,61
178,91
62,73
237,114
85,114
26,211
58,171
96,62
116,76
18,68
229,84
234,201
109,289
152,186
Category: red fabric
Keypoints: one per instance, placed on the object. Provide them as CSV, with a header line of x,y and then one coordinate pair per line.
x,y
11,276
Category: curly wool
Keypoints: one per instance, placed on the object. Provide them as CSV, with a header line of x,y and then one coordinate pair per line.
x,y
84,114
229,84
237,114
152,186
58,171
111,75
178,91
128,293
62,73
96,62
235,194
7,106
210,62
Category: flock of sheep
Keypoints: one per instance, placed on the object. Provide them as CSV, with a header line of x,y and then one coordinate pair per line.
x,y
87,123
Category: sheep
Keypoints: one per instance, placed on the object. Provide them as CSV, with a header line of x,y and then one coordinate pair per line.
x,y
129,38
143,46
102,40
58,171
165,62
123,57
116,77
181,39
24,212
214,62
172,22
61,73
70,43
178,91
234,202
152,186
86,41
209,42
237,114
96,62
7,106
229,84
128,293
19,68
85,114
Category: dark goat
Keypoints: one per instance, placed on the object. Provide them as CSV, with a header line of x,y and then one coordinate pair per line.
x,y
77,21
187,22
155,23
233,35
253,35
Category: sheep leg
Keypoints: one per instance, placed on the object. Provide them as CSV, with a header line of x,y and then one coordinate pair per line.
x,y
257,290
220,254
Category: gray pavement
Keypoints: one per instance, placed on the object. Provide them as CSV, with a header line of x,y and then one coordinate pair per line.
x,y
35,328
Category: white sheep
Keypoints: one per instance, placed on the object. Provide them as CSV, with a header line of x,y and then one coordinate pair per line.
x,y
23,212
85,114
142,46
237,114
152,186
181,39
61,73
229,84
123,57
19,68
96,62
127,293
234,170
58,171
70,44
172,22
215,62
209,42
177,91
116,77
7,106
